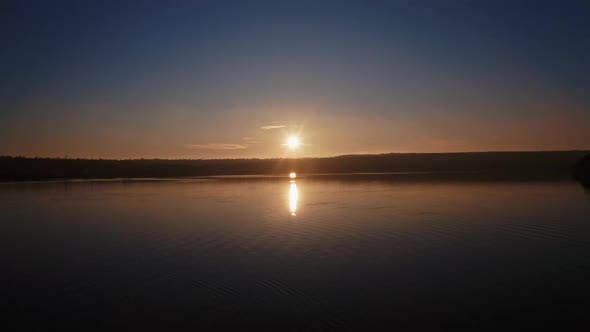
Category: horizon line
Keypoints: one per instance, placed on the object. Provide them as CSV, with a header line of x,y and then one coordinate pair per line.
x,y
275,158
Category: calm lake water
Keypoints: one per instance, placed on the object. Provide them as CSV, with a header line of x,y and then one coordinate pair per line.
x,y
319,253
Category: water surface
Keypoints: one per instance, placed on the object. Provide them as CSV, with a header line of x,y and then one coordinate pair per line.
x,y
321,253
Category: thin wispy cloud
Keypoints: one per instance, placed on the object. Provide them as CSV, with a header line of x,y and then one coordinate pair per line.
x,y
250,140
217,146
272,127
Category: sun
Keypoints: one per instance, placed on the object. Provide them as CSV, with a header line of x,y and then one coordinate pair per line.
x,y
293,142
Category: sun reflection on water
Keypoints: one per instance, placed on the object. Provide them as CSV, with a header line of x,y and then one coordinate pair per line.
x,y
293,196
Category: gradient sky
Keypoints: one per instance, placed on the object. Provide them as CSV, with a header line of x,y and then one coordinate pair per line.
x,y
208,79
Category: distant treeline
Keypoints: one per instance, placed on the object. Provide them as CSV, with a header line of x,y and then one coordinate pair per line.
x,y
582,171
526,165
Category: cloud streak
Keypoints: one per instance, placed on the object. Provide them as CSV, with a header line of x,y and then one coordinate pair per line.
x,y
272,127
217,146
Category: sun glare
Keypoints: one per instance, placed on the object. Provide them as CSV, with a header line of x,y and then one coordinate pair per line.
x,y
293,142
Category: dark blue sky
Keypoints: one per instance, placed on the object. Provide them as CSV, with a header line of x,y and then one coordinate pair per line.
x,y
200,78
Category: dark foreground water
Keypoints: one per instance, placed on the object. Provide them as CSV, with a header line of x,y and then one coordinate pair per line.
x,y
330,253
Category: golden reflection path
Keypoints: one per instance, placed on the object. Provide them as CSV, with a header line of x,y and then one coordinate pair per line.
x,y
293,195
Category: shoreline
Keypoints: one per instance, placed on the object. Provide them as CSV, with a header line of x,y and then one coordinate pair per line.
x,y
486,165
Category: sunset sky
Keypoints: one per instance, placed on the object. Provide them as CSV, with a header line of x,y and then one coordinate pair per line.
x,y
232,79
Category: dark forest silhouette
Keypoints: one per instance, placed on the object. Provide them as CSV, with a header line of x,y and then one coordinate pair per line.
x,y
490,165
582,171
